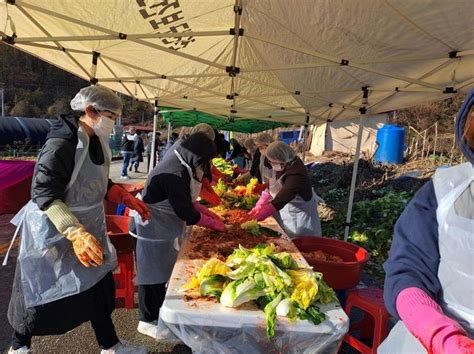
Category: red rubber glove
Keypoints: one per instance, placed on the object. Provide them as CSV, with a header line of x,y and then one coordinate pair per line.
x,y
211,223
207,193
216,174
263,211
425,319
260,188
239,170
119,195
203,210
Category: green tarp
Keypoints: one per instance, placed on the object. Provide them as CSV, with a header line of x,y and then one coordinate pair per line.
x,y
191,118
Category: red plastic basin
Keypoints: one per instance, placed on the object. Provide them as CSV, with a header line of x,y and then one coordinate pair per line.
x,y
111,208
338,275
117,230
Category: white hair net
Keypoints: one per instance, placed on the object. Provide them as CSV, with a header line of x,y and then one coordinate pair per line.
x,y
203,128
99,97
263,138
281,152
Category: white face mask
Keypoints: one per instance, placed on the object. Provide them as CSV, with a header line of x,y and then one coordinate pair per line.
x,y
277,167
104,127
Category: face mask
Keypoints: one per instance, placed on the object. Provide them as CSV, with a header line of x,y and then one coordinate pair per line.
x,y
104,127
277,167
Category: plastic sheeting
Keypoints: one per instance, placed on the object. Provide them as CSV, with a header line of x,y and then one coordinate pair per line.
x,y
208,327
15,184
32,130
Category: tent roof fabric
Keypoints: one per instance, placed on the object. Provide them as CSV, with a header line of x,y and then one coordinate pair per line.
x,y
276,60
191,118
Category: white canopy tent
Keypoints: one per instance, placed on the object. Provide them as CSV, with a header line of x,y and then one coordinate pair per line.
x,y
302,62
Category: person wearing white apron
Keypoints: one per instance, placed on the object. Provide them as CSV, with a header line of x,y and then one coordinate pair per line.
x,y
290,198
64,270
171,191
429,283
258,164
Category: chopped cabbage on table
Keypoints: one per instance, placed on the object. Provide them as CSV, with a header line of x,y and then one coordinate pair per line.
x,y
274,280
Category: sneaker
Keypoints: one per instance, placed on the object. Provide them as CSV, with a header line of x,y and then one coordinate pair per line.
x,y
22,350
124,177
148,328
130,169
124,348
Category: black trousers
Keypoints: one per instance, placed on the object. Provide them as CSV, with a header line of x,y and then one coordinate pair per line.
x,y
95,305
150,299
104,331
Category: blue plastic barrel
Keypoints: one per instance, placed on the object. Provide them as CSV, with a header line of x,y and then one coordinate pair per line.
x,y
390,141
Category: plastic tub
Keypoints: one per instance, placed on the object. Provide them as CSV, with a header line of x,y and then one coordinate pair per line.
x,y
111,208
390,140
338,275
117,230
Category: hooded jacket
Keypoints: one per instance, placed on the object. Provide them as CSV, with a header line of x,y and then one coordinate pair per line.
x,y
55,162
414,254
170,179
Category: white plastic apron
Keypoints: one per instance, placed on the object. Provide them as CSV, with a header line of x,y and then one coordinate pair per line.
x,y
156,246
298,217
49,267
456,267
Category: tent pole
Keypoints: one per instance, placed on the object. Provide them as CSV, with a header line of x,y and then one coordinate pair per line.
x,y
354,177
152,161
363,111
305,128
169,131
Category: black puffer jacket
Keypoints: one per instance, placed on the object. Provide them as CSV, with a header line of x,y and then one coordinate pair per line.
x,y
55,162
170,179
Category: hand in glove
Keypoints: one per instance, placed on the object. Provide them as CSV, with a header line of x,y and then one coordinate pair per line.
x,y
243,178
87,248
239,170
203,210
211,223
262,212
264,199
216,174
425,319
208,194
118,195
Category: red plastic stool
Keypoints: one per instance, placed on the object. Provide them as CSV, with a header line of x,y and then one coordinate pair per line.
x,y
375,326
125,288
117,230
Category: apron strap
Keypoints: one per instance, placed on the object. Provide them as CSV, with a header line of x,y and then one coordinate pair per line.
x,y
84,140
144,238
5,260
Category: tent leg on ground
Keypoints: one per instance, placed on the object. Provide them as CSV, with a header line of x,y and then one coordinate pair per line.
x,y
354,175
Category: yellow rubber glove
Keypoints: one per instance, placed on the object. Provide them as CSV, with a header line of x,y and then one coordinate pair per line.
x,y
88,250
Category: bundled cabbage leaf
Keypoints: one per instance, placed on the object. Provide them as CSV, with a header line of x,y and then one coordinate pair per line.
x,y
278,284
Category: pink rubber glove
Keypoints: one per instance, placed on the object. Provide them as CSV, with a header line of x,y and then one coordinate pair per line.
x,y
263,211
211,223
203,210
264,199
425,319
